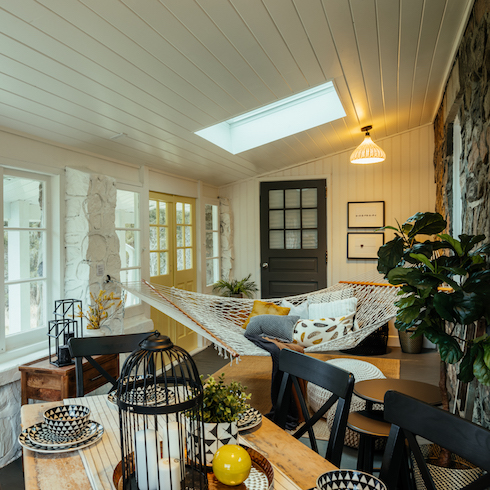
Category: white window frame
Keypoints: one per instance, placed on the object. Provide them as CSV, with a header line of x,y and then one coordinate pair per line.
x,y
25,343
212,202
139,309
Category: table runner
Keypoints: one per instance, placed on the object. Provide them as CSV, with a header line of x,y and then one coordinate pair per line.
x,y
101,458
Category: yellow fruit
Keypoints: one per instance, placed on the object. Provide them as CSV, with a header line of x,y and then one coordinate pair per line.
x,y
231,464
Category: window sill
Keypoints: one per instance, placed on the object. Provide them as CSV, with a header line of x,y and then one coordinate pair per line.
x,y
9,369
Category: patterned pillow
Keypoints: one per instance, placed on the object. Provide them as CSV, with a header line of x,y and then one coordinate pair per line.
x,y
313,332
275,326
265,308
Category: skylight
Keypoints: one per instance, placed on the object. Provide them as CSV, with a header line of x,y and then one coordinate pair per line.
x,y
288,116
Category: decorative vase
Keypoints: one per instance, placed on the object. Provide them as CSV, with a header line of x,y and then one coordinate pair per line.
x,y
217,435
409,344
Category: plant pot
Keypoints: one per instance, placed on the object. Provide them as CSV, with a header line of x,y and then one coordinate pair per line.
x,y
409,344
445,478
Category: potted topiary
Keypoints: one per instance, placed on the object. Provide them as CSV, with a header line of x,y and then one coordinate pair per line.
x,y
444,284
235,288
222,405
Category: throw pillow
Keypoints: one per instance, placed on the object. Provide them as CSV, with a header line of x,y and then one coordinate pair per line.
x,y
332,308
300,310
275,326
325,296
313,332
265,308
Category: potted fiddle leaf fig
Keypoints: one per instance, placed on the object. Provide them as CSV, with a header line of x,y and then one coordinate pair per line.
x,y
444,282
236,288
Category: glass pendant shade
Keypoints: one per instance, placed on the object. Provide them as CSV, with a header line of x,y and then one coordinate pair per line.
x,y
367,152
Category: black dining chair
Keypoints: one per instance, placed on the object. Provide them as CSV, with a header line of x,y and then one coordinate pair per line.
x,y
410,418
87,347
295,366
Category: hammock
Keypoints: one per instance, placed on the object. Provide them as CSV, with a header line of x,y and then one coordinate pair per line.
x,y
220,319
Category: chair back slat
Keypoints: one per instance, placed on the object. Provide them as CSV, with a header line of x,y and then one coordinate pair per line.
x,y
294,366
87,347
411,417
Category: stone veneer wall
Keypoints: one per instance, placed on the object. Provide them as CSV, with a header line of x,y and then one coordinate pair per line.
x,y
91,240
468,97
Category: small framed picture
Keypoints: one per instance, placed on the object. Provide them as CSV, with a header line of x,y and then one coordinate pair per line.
x,y
364,245
368,214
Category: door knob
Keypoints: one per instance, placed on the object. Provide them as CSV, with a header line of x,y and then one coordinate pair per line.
x,y
265,265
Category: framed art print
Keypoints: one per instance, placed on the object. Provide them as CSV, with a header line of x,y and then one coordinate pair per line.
x,y
368,214
364,245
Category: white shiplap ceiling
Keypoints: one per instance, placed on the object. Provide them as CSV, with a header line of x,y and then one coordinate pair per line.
x,y
79,72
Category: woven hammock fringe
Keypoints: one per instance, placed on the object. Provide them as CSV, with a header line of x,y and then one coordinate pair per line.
x,y
220,319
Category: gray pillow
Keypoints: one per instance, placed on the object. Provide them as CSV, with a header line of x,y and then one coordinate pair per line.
x,y
275,326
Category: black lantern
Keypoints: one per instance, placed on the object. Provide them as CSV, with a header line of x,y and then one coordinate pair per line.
x,y
160,397
62,328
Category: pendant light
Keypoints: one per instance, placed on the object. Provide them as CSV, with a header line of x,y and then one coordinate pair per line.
x,y
367,151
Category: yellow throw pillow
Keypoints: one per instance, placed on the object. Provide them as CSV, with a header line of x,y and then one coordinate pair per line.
x,y
265,308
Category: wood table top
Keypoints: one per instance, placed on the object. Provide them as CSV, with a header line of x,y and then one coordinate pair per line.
x,y
296,461
373,390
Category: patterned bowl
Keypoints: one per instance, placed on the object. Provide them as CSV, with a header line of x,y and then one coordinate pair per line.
x,y
66,420
351,479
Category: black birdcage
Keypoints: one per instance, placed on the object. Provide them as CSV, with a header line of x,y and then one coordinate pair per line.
x,y
61,329
160,398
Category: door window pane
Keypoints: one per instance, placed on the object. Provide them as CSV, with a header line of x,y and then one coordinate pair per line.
x,y
188,236
276,239
310,239
293,219
179,213
153,212
292,198
153,238
212,271
163,238
293,239
276,199
309,198
310,219
188,214
276,219
163,263
162,213
180,259
188,258
180,236
153,264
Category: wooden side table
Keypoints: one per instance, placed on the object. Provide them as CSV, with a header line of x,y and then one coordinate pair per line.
x,y
41,380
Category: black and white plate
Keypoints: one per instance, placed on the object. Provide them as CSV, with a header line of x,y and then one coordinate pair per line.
x,y
138,396
24,441
41,435
249,419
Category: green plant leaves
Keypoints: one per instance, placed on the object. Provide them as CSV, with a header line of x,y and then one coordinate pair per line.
x,y
480,369
426,224
390,254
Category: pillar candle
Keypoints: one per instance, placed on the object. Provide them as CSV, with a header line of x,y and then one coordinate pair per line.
x,y
169,474
147,450
173,442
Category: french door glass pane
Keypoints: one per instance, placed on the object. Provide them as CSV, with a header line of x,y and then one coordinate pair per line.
x,y
153,264
212,271
188,236
153,212
276,239
276,219
179,213
188,258
188,213
153,238
310,239
180,259
162,220
293,219
208,216
163,263
309,198
180,236
163,238
310,219
293,239
276,199
292,198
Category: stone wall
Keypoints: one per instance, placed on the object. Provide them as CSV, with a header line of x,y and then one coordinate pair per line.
x,y
467,97
91,243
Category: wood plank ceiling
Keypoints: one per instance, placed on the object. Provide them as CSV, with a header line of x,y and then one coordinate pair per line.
x,y
79,72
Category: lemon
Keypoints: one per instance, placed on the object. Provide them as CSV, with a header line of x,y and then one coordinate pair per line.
x,y
231,464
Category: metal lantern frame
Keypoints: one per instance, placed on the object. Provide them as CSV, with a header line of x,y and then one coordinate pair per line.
x,y
160,399
61,329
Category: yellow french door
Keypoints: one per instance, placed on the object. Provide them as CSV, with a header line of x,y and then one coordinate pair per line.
x,y
173,257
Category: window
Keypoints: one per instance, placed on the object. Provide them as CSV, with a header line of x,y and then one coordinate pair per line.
x,y
27,276
129,233
159,238
212,244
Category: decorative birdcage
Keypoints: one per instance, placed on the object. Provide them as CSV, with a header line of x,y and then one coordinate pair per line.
x,y
160,397
61,329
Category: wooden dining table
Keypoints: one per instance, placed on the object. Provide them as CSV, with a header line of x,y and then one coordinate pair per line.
x,y
295,465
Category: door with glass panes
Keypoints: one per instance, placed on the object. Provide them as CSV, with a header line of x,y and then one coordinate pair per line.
x,y
293,237
173,257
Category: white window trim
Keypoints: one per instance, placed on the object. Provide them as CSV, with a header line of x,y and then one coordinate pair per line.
x,y
213,202
17,352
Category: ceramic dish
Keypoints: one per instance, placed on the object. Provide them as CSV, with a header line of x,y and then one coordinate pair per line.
x,y
24,441
137,396
249,419
66,420
41,435
352,479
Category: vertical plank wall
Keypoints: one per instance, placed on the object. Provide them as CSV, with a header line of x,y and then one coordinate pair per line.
x,y
405,181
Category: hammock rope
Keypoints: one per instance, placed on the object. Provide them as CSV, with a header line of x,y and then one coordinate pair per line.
x,y
219,319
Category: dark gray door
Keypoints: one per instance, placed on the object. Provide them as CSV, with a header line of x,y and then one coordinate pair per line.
x,y
293,237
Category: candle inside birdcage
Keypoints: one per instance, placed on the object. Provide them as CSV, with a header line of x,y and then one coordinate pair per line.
x,y
160,401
